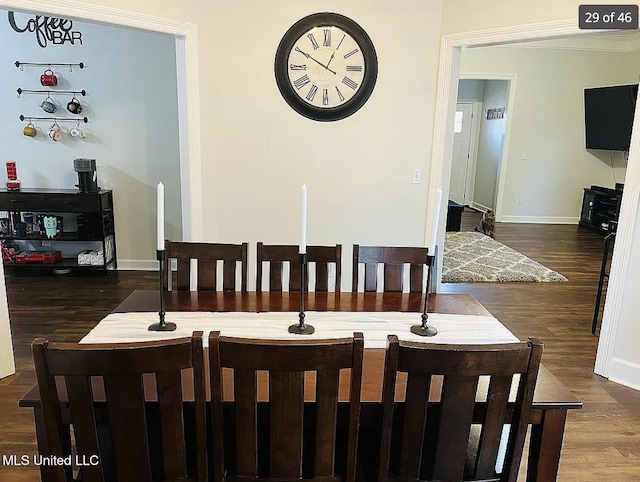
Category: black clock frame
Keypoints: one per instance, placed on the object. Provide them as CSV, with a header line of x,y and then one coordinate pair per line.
x,y
281,66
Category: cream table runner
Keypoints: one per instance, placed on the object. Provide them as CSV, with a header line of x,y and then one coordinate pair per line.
x,y
462,329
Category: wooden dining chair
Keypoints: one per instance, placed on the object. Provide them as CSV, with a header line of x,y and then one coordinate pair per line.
x,y
279,254
394,260
207,256
277,436
106,392
446,392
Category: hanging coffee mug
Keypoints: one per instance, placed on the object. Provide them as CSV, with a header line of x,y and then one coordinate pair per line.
x,y
29,130
48,105
77,131
48,79
55,132
75,107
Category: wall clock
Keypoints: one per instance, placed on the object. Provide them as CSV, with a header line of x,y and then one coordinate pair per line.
x,y
326,66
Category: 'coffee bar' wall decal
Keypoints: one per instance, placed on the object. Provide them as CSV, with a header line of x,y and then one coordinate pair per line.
x,y
58,31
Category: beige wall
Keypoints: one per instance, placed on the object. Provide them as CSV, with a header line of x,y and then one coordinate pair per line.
x,y
257,151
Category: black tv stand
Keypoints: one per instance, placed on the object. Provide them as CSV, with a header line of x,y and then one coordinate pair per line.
x,y
600,207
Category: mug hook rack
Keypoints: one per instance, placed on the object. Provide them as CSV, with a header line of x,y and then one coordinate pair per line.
x,y
49,92
21,65
61,119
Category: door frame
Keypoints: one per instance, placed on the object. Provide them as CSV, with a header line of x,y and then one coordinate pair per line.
x,y
446,96
504,157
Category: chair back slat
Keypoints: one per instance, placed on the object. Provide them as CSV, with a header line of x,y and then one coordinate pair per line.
x,y
456,414
294,276
327,384
394,260
489,444
246,422
417,395
228,275
183,275
286,397
121,369
207,256
290,429
207,273
370,276
522,412
169,388
416,276
435,436
275,276
281,255
127,419
84,424
393,277
322,277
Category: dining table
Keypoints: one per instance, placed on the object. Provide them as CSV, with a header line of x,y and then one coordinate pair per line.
x,y
454,315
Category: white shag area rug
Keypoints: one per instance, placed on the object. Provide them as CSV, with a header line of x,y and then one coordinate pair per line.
x,y
471,257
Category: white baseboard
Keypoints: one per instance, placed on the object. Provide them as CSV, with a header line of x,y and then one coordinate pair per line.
x,y
625,373
538,219
137,265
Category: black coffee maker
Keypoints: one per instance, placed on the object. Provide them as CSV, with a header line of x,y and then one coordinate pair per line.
x,y
87,175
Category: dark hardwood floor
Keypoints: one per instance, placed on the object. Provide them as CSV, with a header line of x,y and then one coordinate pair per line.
x,y
602,441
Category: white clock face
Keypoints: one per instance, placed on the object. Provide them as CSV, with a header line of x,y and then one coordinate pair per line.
x,y
326,67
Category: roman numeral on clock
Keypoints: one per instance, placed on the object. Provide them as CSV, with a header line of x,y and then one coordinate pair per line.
x,y
354,68
299,67
325,96
327,38
349,83
349,54
313,41
301,82
340,96
312,92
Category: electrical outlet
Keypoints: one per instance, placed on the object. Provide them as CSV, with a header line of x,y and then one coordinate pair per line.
x,y
519,201
524,156
46,244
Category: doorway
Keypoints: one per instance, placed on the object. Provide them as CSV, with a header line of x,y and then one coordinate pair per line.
x,y
443,146
485,135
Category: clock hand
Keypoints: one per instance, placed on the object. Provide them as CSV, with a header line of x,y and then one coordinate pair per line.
x,y
317,62
330,59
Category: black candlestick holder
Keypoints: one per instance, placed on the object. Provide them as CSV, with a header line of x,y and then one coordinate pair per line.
x,y
422,329
301,328
162,325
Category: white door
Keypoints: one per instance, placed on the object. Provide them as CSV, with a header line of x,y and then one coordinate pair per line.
x,y
459,184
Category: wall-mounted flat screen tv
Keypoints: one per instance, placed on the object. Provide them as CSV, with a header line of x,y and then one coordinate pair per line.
x,y
608,116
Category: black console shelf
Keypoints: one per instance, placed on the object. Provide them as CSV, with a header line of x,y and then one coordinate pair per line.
x,y
95,223
600,207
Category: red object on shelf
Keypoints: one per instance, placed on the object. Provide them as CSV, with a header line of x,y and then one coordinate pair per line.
x,y
13,184
46,257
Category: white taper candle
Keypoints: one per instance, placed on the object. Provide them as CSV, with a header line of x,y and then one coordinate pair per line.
x,y
436,221
303,220
160,206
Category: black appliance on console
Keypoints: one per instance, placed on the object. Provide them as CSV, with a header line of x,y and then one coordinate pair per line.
x,y
87,175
